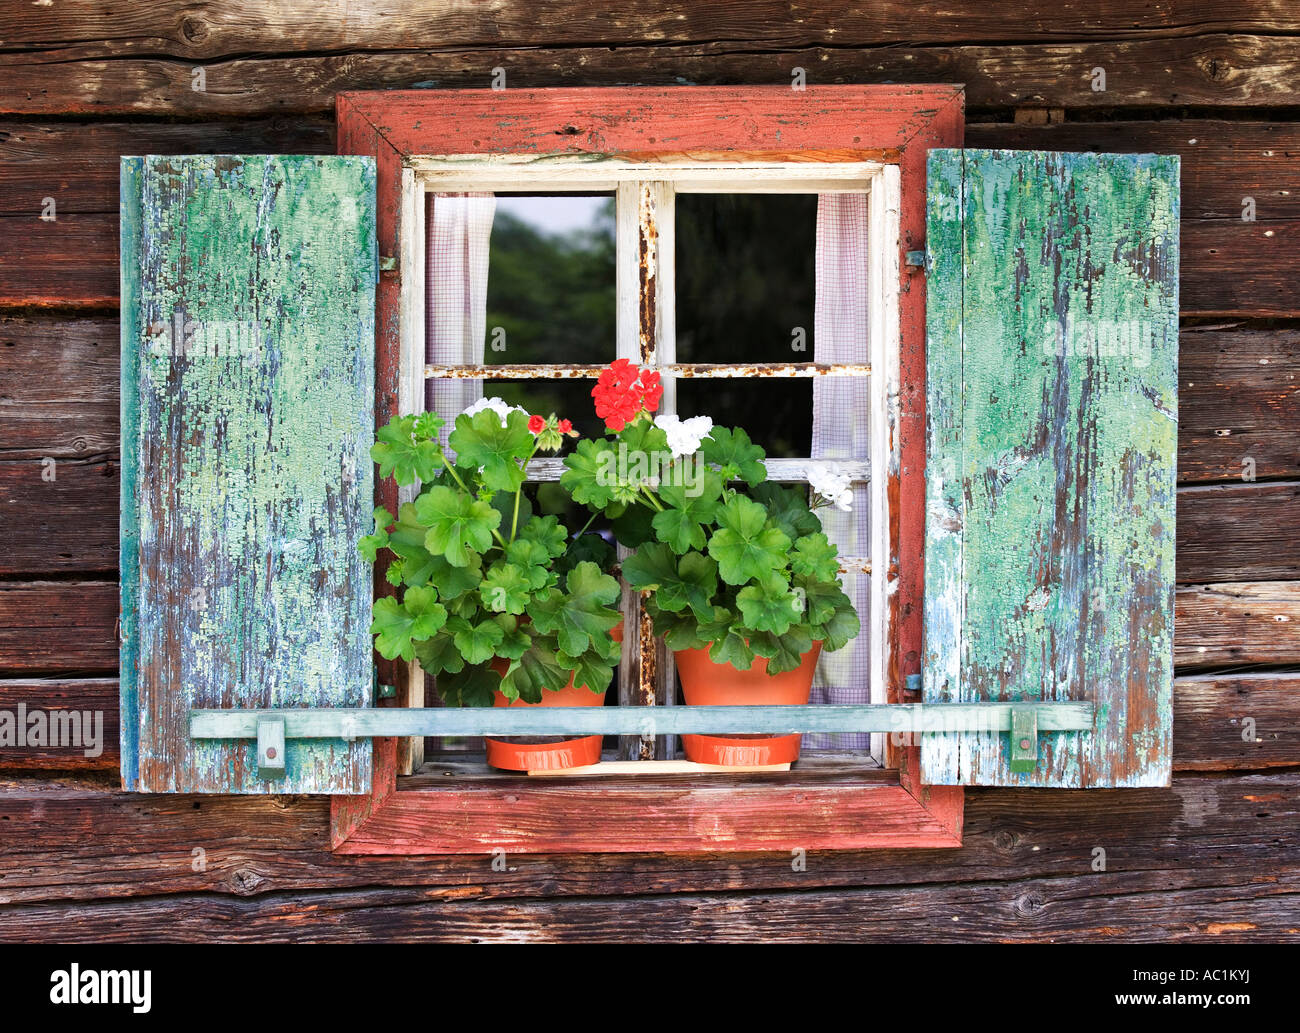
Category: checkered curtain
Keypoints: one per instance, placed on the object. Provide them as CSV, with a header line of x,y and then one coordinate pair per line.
x,y
458,231
840,431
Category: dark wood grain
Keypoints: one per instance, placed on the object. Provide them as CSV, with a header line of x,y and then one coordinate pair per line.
x,y
58,388
90,696
76,164
191,30
58,626
1244,722
58,517
1224,529
1228,70
75,840
1237,623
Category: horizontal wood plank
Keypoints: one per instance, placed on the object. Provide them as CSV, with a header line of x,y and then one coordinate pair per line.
x,y
58,388
94,698
1228,70
184,29
58,626
78,841
59,516
1182,864
77,164
1237,623
1239,532
1243,722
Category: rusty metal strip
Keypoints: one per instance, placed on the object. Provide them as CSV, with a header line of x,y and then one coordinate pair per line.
x,y
682,370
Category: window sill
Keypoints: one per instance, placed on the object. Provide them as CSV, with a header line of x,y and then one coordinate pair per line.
x,y
816,806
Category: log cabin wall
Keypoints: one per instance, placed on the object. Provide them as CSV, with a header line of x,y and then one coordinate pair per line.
x,y
1215,81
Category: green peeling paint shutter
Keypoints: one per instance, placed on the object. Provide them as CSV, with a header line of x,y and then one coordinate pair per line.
x,y
247,415
1051,340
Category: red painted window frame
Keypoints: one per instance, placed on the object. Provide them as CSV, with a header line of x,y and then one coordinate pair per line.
x,y
896,124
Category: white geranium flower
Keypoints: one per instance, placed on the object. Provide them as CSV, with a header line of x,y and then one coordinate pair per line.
x,y
832,484
497,405
684,436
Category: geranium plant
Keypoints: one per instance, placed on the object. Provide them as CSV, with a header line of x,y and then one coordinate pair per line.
x,y
731,560
490,595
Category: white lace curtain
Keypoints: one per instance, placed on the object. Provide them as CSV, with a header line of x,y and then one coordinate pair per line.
x,y
458,231
841,418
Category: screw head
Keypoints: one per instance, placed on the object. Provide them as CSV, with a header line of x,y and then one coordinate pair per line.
x,y
1025,744
270,753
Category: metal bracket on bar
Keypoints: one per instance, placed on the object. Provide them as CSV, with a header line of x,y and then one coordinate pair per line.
x,y
270,747
1024,738
271,728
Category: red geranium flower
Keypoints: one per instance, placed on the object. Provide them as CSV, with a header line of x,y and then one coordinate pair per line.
x,y
565,426
536,424
622,391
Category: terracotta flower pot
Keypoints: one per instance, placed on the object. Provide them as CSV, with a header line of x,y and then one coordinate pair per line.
x,y
706,684
548,755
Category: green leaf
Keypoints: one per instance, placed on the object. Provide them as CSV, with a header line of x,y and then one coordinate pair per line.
x,y
680,630
587,548
418,616
787,508
677,582
841,627
548,532
427,425
370,545
726,643
769,606
516,640
400,456
815,557
456,523
393,575
505,589
594,669
820,599
582,614
533,559
681,526
474,686
783,652
632,524
439,654
504,503
734,455
745,547
478,641
538,670
590,473
483,442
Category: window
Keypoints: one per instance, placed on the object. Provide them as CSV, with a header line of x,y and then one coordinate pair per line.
x,y
560,323
1022,337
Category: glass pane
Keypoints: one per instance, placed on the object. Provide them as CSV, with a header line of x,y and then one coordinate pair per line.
x,y
775,412
745,277
550,296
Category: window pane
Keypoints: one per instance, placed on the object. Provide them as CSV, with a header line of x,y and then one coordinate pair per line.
x,y
745,277
775,412
550,296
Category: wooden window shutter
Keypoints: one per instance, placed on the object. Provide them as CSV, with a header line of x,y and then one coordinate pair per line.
x,y
248,307
1052,354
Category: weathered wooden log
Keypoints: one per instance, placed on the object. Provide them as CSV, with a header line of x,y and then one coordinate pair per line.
x,y
80,842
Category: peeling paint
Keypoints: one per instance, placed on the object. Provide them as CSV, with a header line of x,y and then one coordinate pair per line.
x,y
1052,322
247,426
